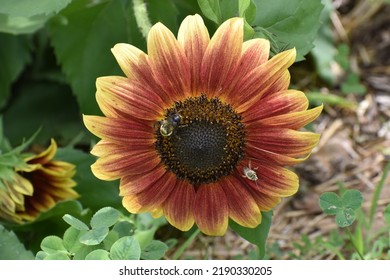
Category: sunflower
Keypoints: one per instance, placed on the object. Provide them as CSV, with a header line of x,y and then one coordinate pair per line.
x,y
36,186
201,130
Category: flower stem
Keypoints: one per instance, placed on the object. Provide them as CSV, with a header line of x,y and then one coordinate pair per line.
x,y
354,244
185,245
141,17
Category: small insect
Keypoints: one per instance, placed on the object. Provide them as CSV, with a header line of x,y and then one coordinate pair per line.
x,y
250,173
168,125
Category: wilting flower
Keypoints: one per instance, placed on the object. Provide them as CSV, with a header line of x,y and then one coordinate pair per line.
x,y
200,129
36,186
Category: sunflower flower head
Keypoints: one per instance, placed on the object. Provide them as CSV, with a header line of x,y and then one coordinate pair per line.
x,y
35,186
201,129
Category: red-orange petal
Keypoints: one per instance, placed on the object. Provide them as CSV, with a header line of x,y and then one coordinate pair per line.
x,y
283,141
222,57
273,180
280,103
129,58
169,63
129,162
292,120
178,207
120,97
243,208
133,184
254,53
121,131
211,209
152,197
258,82
194,38
255,152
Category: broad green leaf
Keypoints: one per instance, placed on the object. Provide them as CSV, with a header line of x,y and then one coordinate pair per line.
x,y
330,203
94,236
126,248
53,244
168,17
71,240
15,54
291,23
155,250
74,222
98,254
211,10
110,239
83,252
144,237
124,228
34,102
94,193
28,8
105,217
352,199
26,16
77,35
41,255
258,235
387,214
57,256
11,248
345,217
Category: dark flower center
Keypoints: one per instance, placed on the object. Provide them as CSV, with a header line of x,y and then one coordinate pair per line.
x,y
200,139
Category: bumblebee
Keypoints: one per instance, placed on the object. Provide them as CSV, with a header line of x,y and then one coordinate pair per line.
x,y
168,125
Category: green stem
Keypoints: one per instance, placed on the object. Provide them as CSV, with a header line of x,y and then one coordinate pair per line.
x,y
354,244
377,192
141,17
185,245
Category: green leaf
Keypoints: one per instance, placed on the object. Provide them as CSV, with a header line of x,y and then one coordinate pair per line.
x,y
353,85
155,250
74,222
387,214
144,237
168,17
28,8
105,217
11,248
41,255
330,203
94,236
25,16
36,100
258,235
57,256
291,23
110,239
126,248
71,240
15,53
346,217
52,244
352,199
98,254
83,252
344,207
211,10
77,39
124,228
